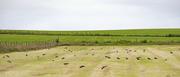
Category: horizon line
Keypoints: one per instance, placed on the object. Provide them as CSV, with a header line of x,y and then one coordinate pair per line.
x,y
88,29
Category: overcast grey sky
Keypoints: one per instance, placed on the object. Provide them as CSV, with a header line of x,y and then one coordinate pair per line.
x,y
89,14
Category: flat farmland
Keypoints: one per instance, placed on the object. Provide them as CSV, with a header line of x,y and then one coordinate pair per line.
x,y
79,39
111,32
118,61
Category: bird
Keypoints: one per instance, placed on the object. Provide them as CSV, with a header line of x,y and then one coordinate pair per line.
x,y
138,58
7,56
26,54
155,58
63,58
81,66
149,58
56,56
66,63
43,54
9,61
126,58
171,52
109,57
118,58
144,50
103,67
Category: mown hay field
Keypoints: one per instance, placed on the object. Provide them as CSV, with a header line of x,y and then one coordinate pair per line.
x,y
120,61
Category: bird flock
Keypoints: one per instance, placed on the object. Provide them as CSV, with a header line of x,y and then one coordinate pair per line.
x,y
83,66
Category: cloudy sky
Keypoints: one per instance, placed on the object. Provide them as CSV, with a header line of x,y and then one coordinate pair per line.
x,y
89,14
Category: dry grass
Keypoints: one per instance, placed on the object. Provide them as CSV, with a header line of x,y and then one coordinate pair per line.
x,y
7,49
31,65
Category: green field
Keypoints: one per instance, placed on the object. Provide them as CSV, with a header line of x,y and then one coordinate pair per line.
x,y
111,32
51,66
92,37
154,41
79,39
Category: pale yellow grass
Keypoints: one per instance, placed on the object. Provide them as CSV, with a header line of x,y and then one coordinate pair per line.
x,y
43,66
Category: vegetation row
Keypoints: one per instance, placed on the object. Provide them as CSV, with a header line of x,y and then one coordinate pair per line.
x,y
7,46
83,34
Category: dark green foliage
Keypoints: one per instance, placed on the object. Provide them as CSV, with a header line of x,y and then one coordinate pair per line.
x,y
124,41
107,42
144,41
83,41
173,35
96,42
150,41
